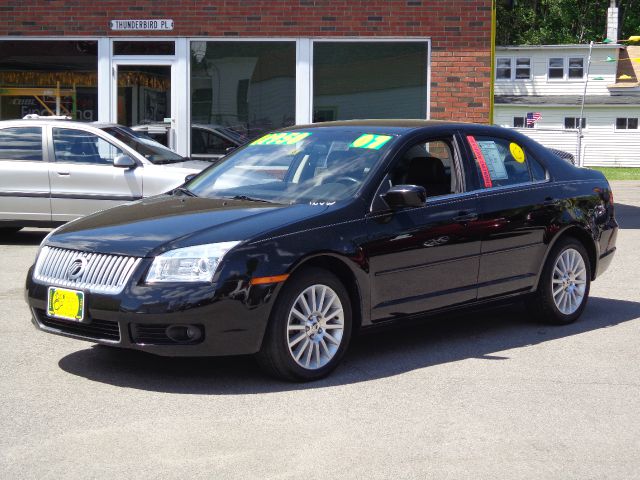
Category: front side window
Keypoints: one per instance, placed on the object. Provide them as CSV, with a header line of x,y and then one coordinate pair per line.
x,y
574,122
369,80
556,68
315,165
21,143
627,123
428,164
501,162
77,146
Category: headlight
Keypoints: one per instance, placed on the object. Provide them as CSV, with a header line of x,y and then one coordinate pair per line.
x,y
190,264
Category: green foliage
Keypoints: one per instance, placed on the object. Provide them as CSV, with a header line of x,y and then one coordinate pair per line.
x,y
549,22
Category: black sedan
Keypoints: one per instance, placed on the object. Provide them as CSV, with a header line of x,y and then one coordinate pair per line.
x,y
303,237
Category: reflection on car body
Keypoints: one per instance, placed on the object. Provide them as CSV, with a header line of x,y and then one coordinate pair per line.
x,y
306,236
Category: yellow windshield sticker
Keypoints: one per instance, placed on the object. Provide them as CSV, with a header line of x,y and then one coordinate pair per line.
x,y
368,140
281,138
517,152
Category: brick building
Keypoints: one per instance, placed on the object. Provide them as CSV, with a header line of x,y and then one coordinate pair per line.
x,y
247,65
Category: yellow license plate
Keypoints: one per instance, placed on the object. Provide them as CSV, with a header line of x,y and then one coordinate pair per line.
x,y
66,304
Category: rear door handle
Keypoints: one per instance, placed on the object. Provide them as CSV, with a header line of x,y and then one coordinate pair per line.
x,y
466,217
63,173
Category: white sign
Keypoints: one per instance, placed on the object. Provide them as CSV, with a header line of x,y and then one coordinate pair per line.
x,y
152,24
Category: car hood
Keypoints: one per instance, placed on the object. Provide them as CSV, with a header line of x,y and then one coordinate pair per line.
x,y
189,164
156,224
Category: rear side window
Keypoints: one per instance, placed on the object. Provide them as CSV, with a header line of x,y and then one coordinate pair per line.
x,y
501,162
21,143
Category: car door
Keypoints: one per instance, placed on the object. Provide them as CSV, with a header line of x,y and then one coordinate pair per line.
x,y
424,258
83,177
24,176
515,204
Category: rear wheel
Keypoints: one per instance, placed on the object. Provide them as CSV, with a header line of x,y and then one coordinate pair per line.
x,y
309,329
564,286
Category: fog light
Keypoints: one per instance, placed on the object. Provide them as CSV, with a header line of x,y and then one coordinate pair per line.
x,y
184,333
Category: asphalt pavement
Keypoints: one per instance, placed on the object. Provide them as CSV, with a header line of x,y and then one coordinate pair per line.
x,y
477,396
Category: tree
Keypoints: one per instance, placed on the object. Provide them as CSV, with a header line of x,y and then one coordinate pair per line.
x,y
537,22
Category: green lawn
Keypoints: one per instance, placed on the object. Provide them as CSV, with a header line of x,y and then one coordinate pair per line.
x,y
619,173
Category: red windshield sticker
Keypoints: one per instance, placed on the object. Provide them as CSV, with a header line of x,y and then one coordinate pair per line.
x,y
486,177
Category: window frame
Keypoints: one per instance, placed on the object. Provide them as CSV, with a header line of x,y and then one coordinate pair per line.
x,y
513,68
575,123
626,129
566,61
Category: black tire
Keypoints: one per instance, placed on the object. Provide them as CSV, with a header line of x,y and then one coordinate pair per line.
x,y
275,356
542,304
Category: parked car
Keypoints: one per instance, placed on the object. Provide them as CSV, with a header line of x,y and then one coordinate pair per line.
x,y
53,171
362,223
208,142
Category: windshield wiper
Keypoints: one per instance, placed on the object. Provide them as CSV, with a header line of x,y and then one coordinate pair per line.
x,y
184,191
250,199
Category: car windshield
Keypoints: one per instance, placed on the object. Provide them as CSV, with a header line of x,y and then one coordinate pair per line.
x,y
315,165
150,149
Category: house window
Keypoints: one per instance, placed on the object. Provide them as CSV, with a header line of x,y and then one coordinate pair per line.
x,y
523,68
518,122
574,122
556,68
576,67
503,68
626,124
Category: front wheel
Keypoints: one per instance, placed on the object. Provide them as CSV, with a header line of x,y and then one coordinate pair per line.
x,y
563,289
309,329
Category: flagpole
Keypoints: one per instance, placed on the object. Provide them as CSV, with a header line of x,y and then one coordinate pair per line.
x,y
584,94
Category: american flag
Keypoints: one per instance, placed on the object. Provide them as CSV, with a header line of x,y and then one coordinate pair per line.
x,y
533,117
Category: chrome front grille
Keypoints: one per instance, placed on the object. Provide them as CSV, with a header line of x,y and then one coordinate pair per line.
x,y
96,272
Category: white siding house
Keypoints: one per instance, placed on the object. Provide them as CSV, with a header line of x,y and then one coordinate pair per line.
x,y
550,80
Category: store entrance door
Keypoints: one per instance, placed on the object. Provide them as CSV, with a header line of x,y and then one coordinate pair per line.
x,y
143,100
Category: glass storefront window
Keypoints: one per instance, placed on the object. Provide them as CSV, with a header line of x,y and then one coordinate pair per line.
x,y
369,80
249,87
49,77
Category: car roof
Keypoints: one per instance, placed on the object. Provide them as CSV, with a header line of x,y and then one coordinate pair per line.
x,y
46,121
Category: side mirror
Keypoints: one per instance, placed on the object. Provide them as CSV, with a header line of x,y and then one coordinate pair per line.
x,y
189,177
403,196
124,161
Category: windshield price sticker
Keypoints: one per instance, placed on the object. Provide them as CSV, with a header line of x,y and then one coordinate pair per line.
x,y
282,138
370,141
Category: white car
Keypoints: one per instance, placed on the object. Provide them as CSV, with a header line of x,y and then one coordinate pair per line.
x,y
53,171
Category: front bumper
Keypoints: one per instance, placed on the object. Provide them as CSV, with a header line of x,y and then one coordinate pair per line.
x,y
233,316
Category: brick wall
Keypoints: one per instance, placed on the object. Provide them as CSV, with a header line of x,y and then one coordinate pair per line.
x,y
460,31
